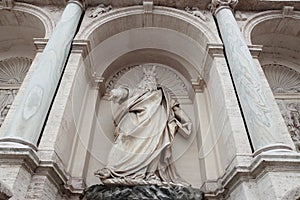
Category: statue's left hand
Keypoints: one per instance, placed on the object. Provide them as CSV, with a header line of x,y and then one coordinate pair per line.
x,y
118,94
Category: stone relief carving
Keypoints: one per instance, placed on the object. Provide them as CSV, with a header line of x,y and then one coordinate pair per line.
x,y
290,110
282,79
13,70
165,77
145,125
12,73
100,9
7,97
239,16
196,12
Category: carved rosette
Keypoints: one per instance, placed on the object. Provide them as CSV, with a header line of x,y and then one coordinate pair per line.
x,y
217,5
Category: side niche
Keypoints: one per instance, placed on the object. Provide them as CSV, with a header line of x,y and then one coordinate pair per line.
x,y
12,73
166,77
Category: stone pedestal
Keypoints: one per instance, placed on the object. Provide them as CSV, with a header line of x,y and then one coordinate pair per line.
x,y
147,192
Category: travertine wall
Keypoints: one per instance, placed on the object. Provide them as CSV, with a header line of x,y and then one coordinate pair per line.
x,y
77,135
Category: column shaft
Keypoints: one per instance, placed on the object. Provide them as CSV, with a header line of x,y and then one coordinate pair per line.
x,y
258,113
30,116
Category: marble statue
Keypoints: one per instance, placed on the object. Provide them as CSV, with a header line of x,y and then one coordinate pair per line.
x,y
145,125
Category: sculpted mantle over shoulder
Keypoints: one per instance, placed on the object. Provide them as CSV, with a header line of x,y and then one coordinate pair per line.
x,y
146,123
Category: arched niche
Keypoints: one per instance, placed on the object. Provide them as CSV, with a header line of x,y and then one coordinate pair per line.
x,y
19,26
279,34
120,40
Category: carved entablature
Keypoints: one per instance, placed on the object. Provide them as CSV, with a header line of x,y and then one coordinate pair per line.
x,y
12,73
166,77
282,79
290,110
216,5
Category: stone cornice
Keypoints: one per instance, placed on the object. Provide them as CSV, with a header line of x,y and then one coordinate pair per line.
x,y
243,5
247,168
78,46
11,152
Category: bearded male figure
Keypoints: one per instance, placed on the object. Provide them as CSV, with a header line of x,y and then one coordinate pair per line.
x,y
146,123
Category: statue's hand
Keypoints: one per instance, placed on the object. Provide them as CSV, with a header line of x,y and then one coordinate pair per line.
x,y
118,94
188,126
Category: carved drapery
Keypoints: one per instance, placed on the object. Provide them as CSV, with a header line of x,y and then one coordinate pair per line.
x,y
12,73
165,77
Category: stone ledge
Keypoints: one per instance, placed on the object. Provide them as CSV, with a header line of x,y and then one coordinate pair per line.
x,y
255,169
146,192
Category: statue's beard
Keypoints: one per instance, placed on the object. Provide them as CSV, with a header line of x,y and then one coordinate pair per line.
x,y
148,85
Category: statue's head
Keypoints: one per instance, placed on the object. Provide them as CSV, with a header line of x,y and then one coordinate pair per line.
x,y
148,81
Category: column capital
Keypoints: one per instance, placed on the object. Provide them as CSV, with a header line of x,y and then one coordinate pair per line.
x,y
217,5
82,3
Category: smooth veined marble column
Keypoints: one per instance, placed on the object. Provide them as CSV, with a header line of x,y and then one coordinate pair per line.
x,y
260,118
29,117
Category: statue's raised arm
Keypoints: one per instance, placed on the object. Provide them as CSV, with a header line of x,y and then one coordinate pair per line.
x,y
146,123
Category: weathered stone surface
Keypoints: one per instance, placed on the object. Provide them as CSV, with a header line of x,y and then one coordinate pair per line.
x,y
165,192
5,192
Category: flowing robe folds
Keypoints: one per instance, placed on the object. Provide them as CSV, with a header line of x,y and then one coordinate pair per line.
x,y
145,128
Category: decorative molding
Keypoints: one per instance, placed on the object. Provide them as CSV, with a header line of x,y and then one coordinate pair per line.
x,y
166,77
197,13
290,110
282,79
99,10
216,5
